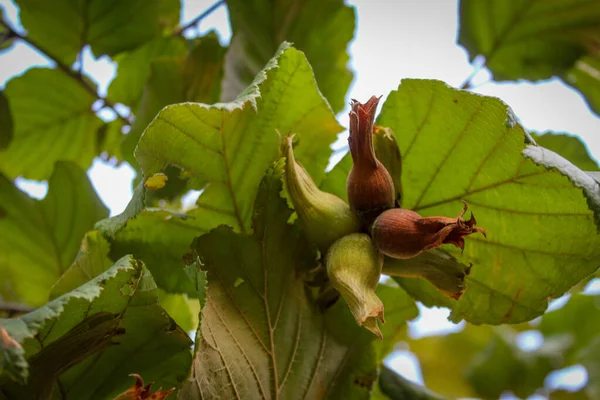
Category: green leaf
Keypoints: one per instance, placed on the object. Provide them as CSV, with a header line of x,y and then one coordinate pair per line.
x,y
63,29
335,180
53,120
570,147
321,29
590,359
265,338
111,226
444,359
92,338
577,323
578,320
6,122
522,39
541,234
183,132
160,238
6,38
504,366
164,87
108,140
231,145
203,69
134,68
399,308
172,80
41,238
176,305
91,261
584,76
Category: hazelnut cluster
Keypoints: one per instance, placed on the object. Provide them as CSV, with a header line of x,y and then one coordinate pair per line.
x,y
355,237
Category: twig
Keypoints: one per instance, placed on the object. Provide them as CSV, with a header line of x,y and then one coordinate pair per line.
x,y
14,308
195,21
66,69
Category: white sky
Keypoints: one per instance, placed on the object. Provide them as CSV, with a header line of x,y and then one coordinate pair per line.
x,y
395,39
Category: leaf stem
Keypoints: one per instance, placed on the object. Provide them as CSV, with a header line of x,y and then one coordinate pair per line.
x,y
195,21
66,69
14,308
468,84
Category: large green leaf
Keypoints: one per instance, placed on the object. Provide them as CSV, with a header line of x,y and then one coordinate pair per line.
x,y
570,147
91,261
261,335
40,239
92,338
527,38
541,235
202,141
585,77
161,239
134,68
322,29
63,28
230,145
53,120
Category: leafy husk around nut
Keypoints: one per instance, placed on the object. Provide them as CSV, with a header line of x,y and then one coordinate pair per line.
x,y
324,217
354,267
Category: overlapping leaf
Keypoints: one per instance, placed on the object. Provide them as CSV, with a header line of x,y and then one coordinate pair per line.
x,y
444,359
40,239
527,38
193,76
570,147
85,344
261,335
321,29
63,28
578,320
53,120
134,68
530,39
228,146
6,39
92,260
585,77
539,218
399,308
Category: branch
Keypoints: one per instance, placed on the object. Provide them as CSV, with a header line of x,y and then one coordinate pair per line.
x,y
14,308
395,386
66,69
195,21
